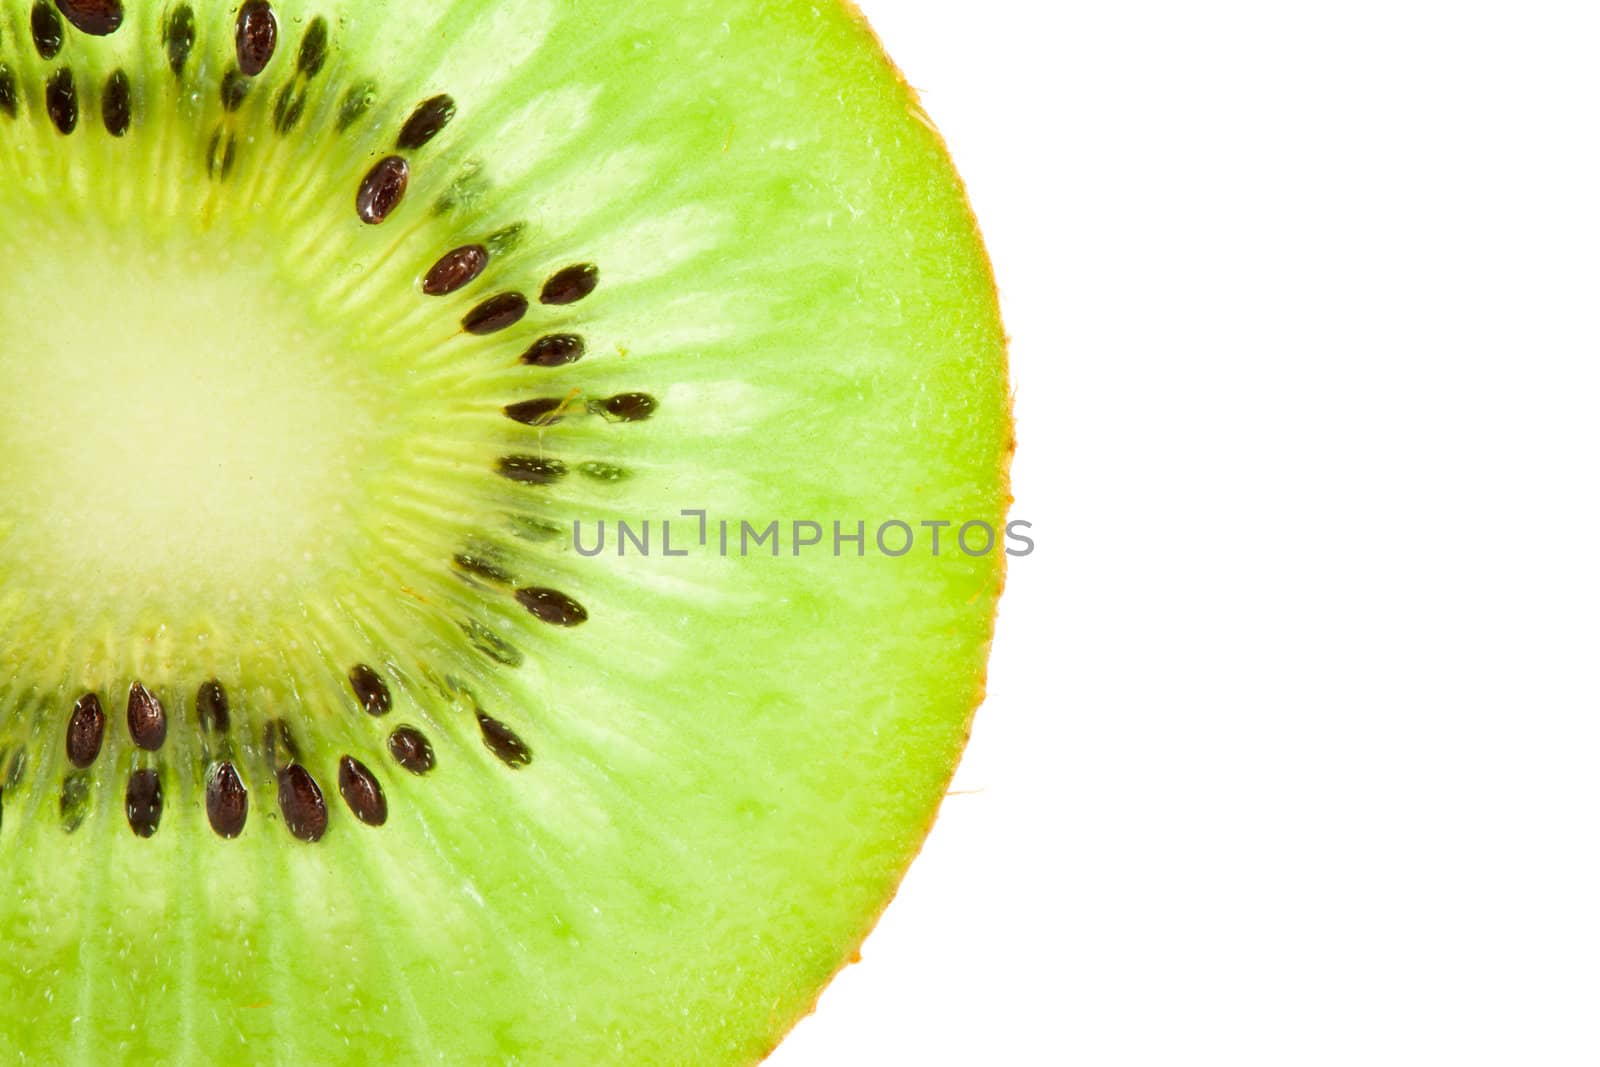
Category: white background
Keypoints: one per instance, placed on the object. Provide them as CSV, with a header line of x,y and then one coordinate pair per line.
x,y
1292,752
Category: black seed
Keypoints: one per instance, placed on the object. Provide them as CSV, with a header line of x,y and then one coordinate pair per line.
x,y
545,411
116,105
86,730
314,48
61,100
467,187
178,36
531,470
19,764
628,407
411,750
235,87
219,156
425,122
143,802
358,100
300,800
227,801
482,568
531,529
279,742
370,690
496,313
8,91
362,791
211,701
98,18
382,189
147,719
455,269
555,350
255,36
499,739
492,644
74,800
570,285
290,105
505,238
602,472
552,606
48,34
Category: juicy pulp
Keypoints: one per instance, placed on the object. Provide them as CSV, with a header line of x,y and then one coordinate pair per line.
x,y
239,443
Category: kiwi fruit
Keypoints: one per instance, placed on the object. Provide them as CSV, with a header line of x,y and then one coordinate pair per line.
x,y
337,337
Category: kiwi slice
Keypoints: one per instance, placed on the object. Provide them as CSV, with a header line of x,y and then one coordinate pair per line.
x,y
494,523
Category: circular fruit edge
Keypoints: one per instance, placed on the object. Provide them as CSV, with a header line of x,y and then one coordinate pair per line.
x,y
920,116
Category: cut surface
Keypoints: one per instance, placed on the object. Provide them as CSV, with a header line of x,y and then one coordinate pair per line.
x,y
152,378
447,453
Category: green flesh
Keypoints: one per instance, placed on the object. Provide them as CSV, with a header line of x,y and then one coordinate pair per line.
x,y
241,444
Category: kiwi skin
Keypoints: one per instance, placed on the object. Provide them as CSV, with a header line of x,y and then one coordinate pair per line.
x,y
607,740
